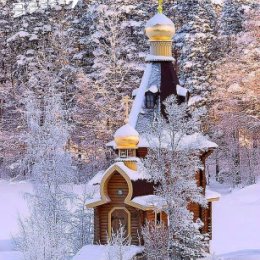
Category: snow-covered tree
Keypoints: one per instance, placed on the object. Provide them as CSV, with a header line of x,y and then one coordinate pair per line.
x,y
45,233
173,165
194,43
155,241
231,17
116,67
234,111
82,224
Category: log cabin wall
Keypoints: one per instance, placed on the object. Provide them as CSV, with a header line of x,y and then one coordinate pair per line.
x,y
142,187
117,182
198,211
96,226
208,220
141,152
150,217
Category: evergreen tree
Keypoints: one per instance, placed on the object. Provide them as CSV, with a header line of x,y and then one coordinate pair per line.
x,y
195,22
173,166
232,17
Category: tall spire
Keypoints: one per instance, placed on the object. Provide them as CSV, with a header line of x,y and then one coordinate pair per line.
x,y
160,6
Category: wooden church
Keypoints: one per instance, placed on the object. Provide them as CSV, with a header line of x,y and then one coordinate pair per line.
x,y
124,193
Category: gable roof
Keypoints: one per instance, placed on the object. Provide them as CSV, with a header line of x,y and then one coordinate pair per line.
x,y
102,179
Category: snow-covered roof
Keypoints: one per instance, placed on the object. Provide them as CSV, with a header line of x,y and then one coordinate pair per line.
x,y
142,143
97,178
133,175
153,89
97,182
153,201
195,141
159,19
126,130
150,57
100,252
134,92
139,100
212,195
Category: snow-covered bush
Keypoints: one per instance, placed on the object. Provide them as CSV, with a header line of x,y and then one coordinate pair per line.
x,y
117,242
155,241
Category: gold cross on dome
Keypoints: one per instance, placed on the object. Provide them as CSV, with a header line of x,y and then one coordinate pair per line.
x,y
126,101
160,6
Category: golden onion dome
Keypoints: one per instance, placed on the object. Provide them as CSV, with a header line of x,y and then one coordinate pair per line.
x,y
126,137
160,28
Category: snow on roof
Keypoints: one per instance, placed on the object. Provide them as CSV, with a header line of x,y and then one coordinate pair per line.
x,y
133,175
153,89
95,199
159,19
139,100
150,201
150,57
100,252
94,192
195,141
142,143
181,91
126,130
134,92
212,194
97,178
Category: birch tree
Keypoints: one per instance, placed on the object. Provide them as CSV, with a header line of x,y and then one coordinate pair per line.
x,y
45,234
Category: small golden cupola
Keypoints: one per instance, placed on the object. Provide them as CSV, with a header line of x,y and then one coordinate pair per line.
x,y
127,140
160,31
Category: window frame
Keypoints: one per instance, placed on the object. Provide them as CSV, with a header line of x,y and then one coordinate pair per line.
x,y
158,223
121,154
150,99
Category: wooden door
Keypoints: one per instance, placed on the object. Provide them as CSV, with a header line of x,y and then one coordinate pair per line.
x,y
120,216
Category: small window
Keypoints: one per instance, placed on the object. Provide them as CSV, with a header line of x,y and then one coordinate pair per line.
x,y
123,153
131,153
158,218
150,99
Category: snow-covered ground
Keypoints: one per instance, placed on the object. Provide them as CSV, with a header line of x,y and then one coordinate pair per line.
x,y
236,221
12,204
99,252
